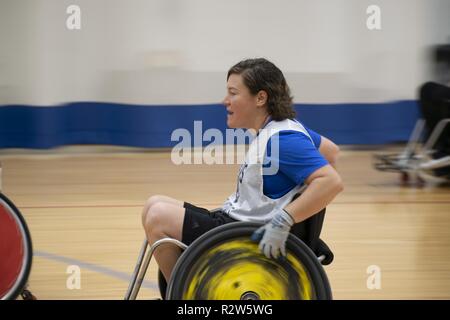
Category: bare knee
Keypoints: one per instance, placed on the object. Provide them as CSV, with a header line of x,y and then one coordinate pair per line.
x,y
155,221
148,205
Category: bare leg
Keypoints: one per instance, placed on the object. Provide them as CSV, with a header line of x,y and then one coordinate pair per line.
x,y
155,199
165,220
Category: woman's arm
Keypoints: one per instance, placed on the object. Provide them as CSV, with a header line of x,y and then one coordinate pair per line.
x,y
329,150
323,186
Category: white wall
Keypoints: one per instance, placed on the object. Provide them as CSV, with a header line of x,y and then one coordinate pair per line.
x,y
178,51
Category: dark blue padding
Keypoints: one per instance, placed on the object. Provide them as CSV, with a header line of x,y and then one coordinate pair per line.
x,y
24,126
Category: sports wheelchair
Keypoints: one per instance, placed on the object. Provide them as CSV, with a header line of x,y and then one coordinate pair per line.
x,y
16,251
431,160
224,264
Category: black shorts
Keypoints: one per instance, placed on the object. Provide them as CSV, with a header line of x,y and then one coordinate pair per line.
x,y
198,221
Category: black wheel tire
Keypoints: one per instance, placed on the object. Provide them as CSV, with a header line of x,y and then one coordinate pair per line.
x,y
184,270
404,177
22,279
162,284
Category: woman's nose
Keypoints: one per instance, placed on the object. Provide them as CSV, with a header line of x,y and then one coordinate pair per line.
x,y
225,101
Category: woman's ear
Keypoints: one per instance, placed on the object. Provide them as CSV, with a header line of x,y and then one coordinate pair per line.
x,y
261,98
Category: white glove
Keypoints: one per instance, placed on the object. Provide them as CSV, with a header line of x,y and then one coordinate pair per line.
x,y
274,234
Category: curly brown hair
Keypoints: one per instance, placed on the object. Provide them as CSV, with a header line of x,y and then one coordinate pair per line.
x,y
260,74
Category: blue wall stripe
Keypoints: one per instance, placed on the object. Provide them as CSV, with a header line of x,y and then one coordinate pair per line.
x,y
24,126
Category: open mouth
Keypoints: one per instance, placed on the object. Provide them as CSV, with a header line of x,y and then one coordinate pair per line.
x,y
229,113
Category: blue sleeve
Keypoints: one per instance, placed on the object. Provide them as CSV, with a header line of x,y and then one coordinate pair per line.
x,y
298,157
317,138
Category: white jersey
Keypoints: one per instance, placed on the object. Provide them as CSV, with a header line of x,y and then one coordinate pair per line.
x,y
249,203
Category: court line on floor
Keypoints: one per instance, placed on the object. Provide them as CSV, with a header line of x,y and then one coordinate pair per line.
x,y
94,267
335,203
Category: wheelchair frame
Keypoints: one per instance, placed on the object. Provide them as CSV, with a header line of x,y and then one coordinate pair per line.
x,y
414,160
21,284
145,258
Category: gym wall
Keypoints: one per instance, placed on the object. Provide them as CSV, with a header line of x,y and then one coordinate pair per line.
x,y
137,70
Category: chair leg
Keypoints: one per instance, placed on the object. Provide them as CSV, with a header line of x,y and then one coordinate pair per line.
x,y
141,268
136,269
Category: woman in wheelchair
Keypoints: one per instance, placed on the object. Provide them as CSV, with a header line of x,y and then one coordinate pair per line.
x,y
257,98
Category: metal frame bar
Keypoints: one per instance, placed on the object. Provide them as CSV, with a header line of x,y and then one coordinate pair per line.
x,y
412,161
412,142
140,269
435,135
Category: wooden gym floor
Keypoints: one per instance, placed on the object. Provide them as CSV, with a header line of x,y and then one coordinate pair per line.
x,y
83,208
